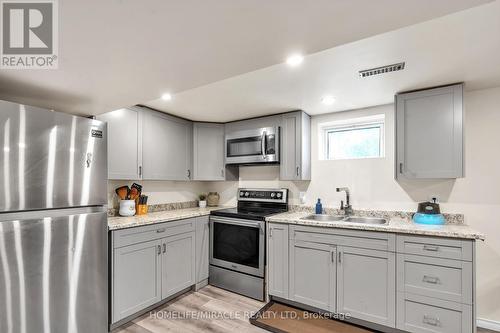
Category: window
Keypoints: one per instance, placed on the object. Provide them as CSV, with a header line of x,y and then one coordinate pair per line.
x,y
354,138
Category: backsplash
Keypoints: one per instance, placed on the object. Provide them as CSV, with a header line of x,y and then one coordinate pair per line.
x,y
450,218
161,207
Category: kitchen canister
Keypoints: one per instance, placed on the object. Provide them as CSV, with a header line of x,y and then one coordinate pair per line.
x,y
213,199
127,208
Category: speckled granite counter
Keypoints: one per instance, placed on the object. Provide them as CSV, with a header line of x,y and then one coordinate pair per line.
x,y
119,222
395,225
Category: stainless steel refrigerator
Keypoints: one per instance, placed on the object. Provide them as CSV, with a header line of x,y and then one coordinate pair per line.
x,y
53,222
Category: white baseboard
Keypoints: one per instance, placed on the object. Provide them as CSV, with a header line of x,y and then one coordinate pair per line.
x,y
488,324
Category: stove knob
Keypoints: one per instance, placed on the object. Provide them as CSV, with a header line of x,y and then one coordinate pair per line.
x,y
273,194
247,194
242,193
278,195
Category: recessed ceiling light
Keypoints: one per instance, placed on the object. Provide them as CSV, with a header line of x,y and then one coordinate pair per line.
x,y
166,97
294,60
328,100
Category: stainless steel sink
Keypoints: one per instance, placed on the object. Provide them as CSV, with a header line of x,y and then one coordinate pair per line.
x,y
323,217
366,220
352,219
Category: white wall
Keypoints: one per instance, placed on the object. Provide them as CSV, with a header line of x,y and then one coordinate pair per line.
x,y
373,185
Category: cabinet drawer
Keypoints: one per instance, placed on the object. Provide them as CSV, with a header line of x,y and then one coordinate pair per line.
x,y
362,239
151,232
434,277
421,314
435,247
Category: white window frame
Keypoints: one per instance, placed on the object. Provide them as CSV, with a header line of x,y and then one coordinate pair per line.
x,y
352,124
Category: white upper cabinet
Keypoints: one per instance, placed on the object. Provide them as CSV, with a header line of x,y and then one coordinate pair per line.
x,y
295,158
208,151
429,131
124,143
167,147
150,145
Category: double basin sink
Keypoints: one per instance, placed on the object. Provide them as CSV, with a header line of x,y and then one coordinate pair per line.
x,y
351,219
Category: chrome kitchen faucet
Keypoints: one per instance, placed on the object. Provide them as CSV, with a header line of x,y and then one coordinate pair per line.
x,y
347,208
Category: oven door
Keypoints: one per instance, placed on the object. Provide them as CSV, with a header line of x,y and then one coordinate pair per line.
x,y
237,244
253,146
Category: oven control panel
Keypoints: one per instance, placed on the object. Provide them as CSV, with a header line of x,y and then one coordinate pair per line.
x,y
265,195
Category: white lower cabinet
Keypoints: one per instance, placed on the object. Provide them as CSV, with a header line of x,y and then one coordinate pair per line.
x,y
313,274
428,289
435,285
150,264
366,284
178,264
136,278
277,259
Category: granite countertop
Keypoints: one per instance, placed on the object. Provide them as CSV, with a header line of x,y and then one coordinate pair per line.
x,y
120,222
395,225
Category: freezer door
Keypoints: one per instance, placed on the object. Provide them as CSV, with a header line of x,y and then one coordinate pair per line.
x,y
53,274
50,159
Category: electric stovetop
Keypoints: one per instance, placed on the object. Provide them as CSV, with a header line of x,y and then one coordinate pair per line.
x,y
248,214
257,204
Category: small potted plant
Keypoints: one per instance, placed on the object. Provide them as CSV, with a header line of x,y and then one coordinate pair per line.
x,y
202,200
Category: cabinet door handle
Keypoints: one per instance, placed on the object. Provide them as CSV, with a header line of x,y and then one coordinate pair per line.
x,y
431,248
222,172
189,174
164,247
333,256
270,232
160,230
140,170
297,171
430,320
431,279
340,257
159,249
401,168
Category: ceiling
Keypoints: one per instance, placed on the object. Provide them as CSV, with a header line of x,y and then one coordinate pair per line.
x,y
462,47
122,52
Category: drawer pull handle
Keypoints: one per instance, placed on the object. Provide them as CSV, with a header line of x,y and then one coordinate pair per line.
x,y
431,248
433,321
160,230
431,279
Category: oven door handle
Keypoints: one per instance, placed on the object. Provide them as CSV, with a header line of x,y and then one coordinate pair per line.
x,y
263,144
256,224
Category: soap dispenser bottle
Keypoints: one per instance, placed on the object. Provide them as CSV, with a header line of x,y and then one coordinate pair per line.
x,y
319,207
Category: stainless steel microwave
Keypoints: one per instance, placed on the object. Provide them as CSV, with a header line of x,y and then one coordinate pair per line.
x,y
253,146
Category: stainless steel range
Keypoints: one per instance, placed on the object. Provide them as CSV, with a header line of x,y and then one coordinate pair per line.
x,y
237,240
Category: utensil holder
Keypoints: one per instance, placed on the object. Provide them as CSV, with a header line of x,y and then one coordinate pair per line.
x,y
127,208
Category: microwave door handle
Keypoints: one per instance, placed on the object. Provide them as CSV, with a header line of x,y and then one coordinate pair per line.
x,y
263,144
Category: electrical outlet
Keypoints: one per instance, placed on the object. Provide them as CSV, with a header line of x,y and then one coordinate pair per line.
x,y
302,198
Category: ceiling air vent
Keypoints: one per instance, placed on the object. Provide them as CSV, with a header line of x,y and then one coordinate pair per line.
x,y
382,70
